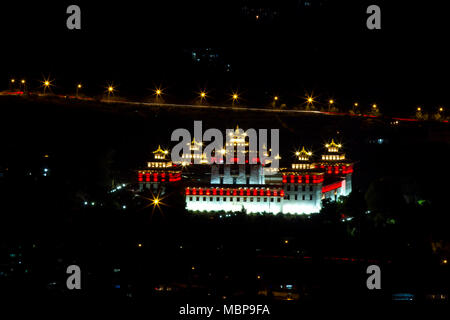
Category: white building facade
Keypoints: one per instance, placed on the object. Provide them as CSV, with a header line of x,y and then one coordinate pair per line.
x,y
235,187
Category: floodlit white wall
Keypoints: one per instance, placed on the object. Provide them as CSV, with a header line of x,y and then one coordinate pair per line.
x,y
234,206
301,207
275,207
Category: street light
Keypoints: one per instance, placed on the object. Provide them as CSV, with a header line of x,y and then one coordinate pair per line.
x,y
355,104
110,89
46,83
274,102
22,84
158,92
234,98
419,109
330,104
202,94
79,86
441,109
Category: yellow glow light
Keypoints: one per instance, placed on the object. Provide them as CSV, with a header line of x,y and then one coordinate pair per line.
x,y
79,86
419,108
202,94
46,83
441,109
13,80
310,100
331,101
444,261
22,81
355,104
158,92
156,201
110,89
235,96
374,106
275,98
139,245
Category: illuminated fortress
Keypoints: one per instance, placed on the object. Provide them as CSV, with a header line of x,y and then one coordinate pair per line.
x,y
245,187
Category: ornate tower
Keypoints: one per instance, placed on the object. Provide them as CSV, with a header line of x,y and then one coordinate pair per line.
x,y
158,172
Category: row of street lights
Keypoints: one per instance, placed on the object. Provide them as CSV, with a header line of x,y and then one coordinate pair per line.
x,y
110,89
158,92
419,109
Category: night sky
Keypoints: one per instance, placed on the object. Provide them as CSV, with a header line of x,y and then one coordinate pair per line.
x,y
325,48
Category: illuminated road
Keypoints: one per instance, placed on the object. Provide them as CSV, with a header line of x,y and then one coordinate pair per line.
x,y
212,107
240,108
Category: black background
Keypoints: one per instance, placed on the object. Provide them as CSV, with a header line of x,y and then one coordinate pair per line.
x,y
325,49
